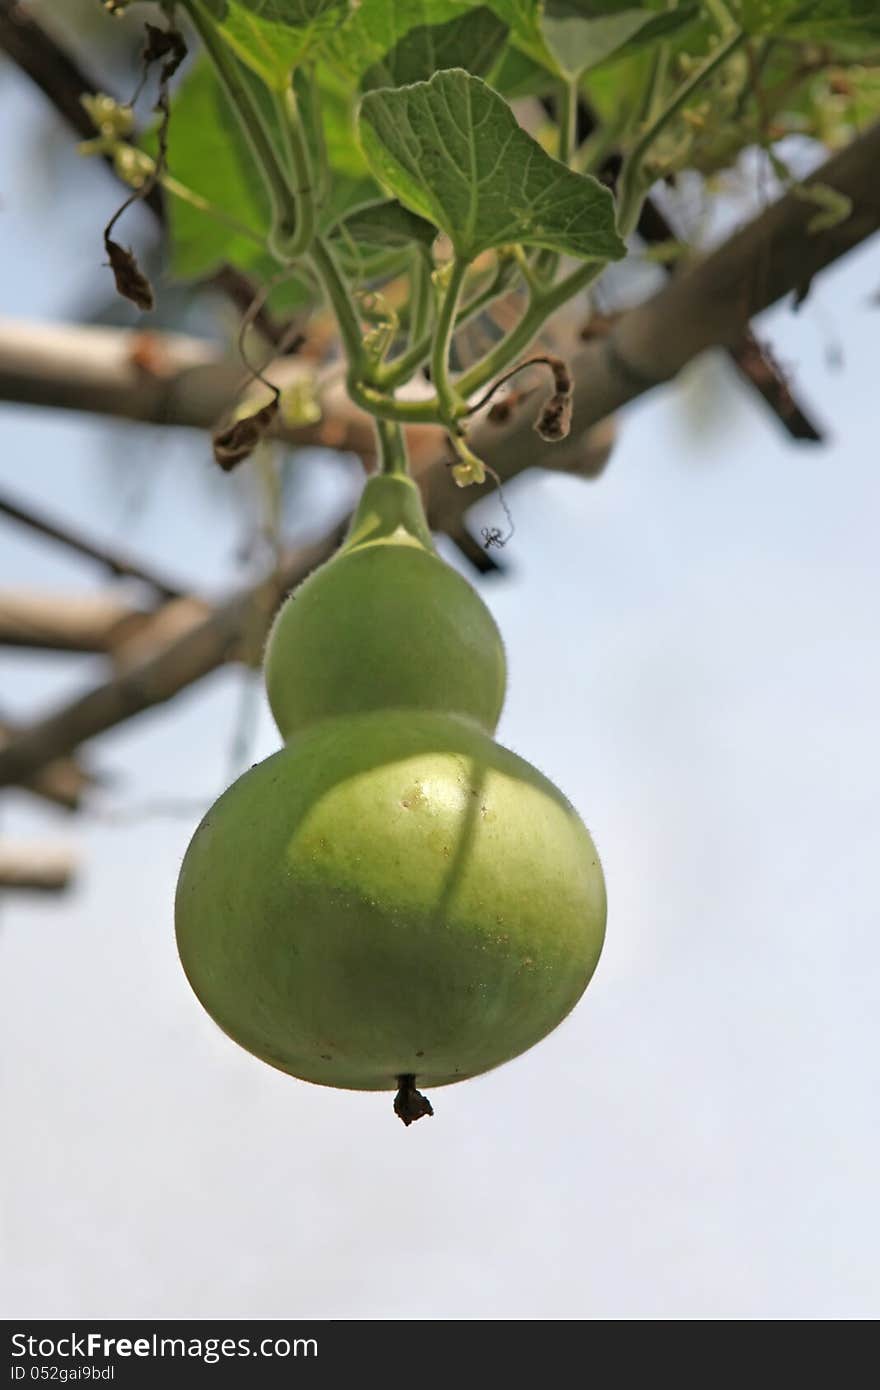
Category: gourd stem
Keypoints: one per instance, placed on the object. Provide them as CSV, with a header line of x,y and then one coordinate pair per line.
x,y
410,1104
393,461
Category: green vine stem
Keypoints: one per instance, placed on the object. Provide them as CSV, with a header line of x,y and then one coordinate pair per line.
x,y
653,104
337,292
370,384
401,368
300,163
386,407
544,302
567,119
534,274
313,99
541,306
250,119
421,295
376,403
294,187
501,281
634,182
722,16
391,449
448,399
547,262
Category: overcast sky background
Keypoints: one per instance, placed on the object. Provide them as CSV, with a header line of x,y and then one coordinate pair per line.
x,y
693,647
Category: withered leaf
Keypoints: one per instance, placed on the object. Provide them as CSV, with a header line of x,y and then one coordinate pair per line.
x,y
131,282
164,43
236,442
554,421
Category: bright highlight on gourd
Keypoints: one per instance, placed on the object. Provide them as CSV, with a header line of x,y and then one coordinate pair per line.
x,y
392,900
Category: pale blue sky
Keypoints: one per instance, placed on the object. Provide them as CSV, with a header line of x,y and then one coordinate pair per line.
x,y
694,658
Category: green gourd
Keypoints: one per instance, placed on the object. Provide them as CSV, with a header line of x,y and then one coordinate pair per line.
x,y
392,897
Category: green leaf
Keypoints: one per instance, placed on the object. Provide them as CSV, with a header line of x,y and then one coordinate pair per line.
x,y
568,37
472,41
386,224
523,18
664,25
517,75
273,36
578,41
615,88
208,154
451,150
375,240
376,27
580,34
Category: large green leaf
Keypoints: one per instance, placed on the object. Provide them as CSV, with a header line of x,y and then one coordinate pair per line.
x,y
472,41
451,150
273,36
